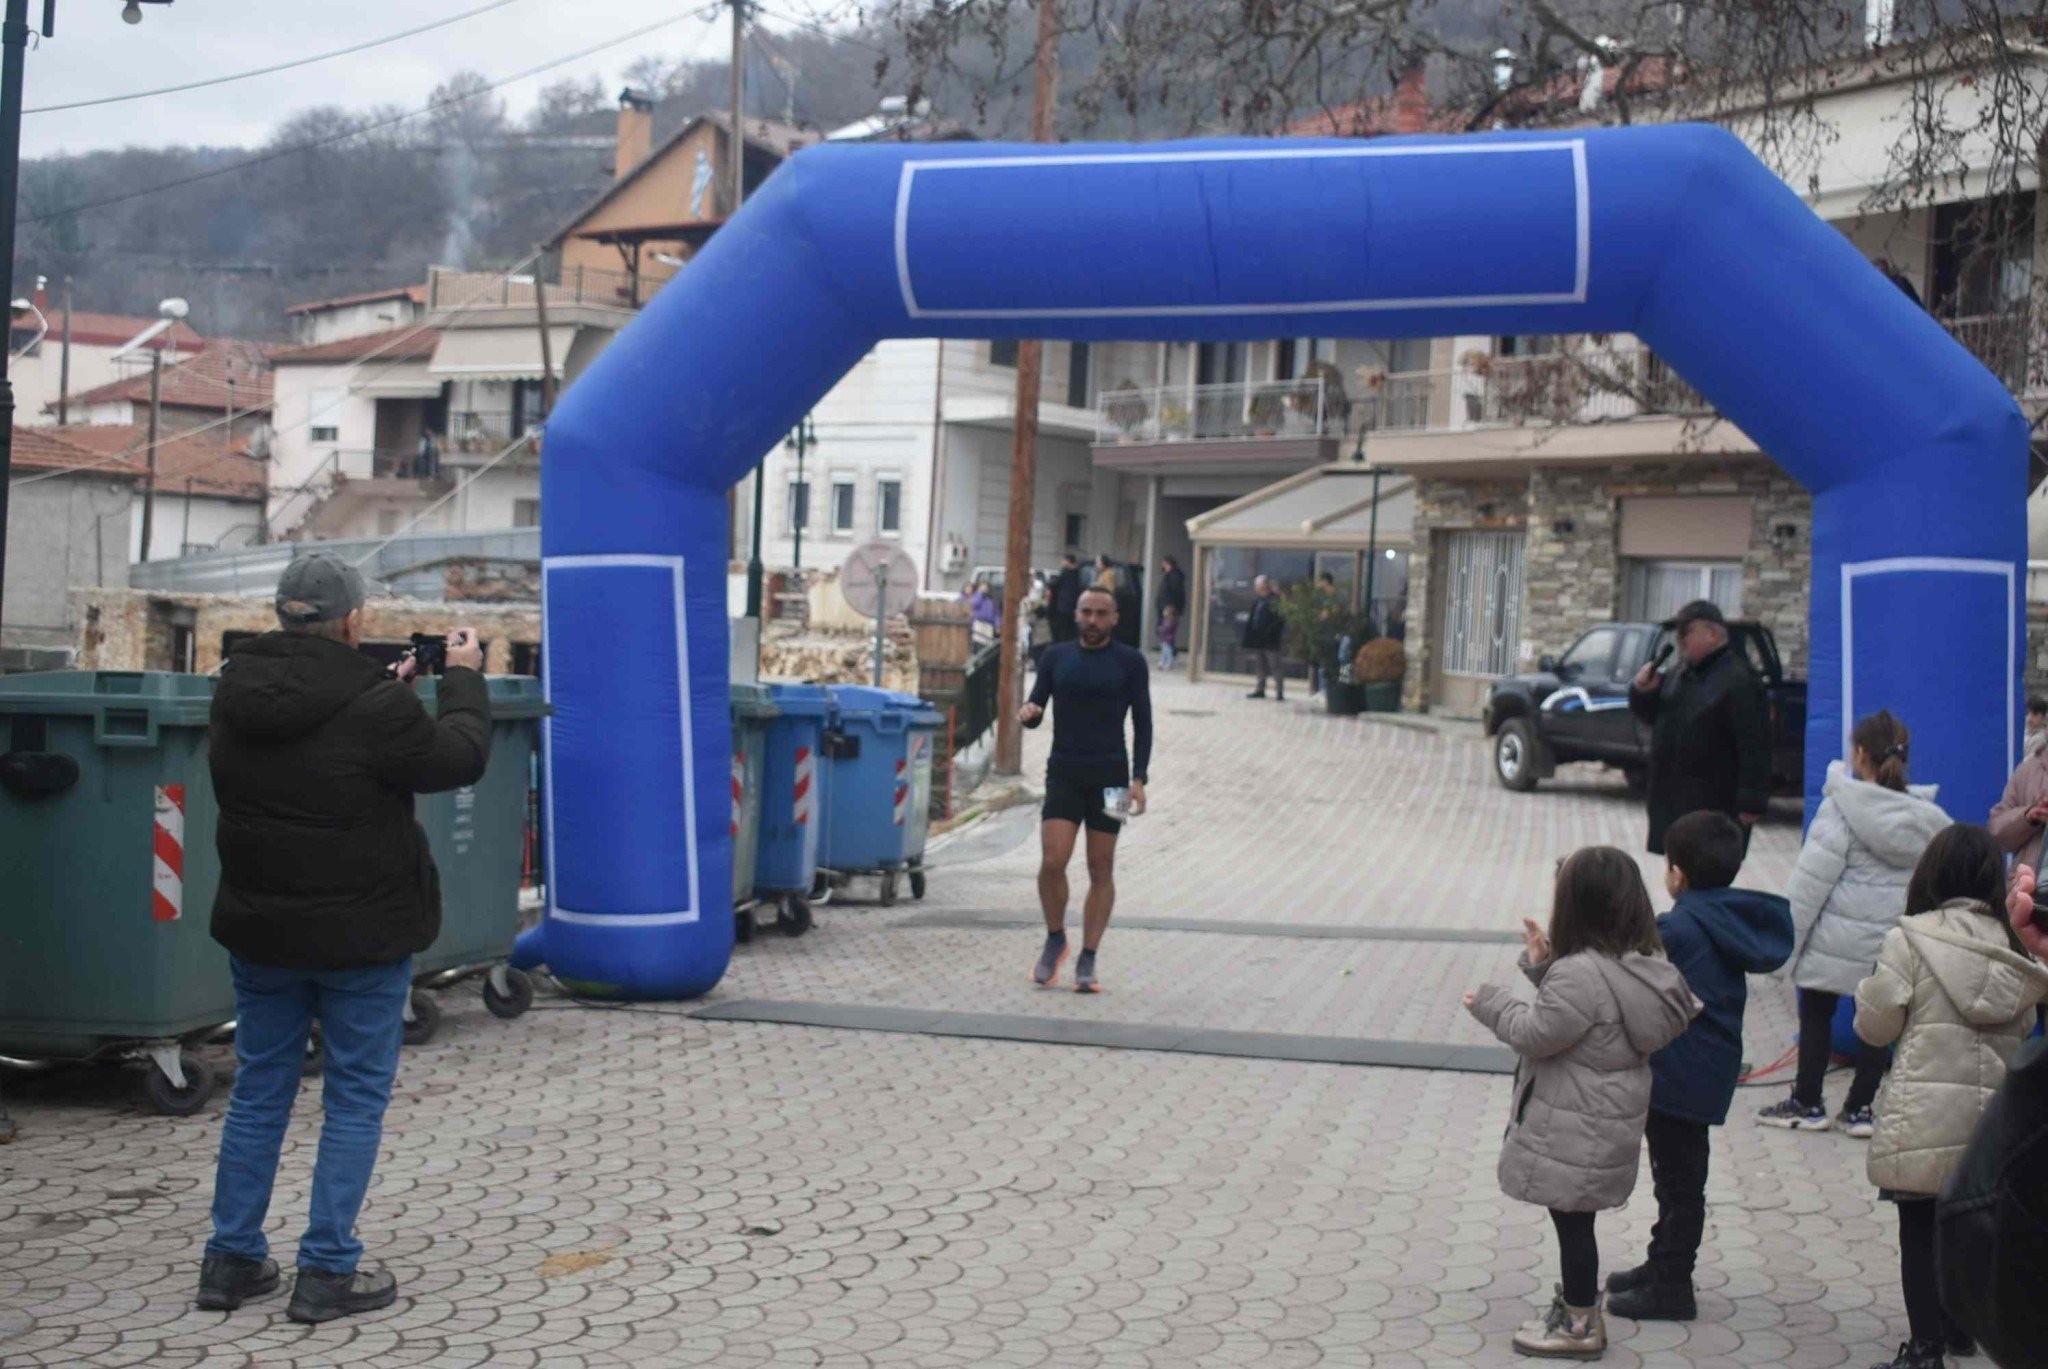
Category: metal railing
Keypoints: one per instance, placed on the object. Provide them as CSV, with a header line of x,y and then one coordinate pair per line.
x,y
2002,341
1218,413
978,706
396,562
1401,402
451,288
290,512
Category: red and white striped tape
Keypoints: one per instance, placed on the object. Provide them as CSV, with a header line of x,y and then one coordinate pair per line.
x,y
902,806
167,901
739,789
806,801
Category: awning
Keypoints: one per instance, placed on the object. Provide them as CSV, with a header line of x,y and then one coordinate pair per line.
x,y
400,382
1326,509
498,353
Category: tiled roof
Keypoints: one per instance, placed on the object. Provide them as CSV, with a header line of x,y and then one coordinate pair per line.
x,y
109,330
203,459
393,344
415,293
46,449
202,382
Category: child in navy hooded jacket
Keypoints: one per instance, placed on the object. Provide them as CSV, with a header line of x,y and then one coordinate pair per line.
x,y
1715,935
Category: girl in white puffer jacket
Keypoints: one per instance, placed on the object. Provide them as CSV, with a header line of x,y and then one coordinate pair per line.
x,y
1847,891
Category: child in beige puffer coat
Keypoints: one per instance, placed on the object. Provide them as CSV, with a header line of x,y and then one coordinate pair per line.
x,y
1956,990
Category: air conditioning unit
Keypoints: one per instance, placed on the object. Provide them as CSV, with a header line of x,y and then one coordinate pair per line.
x,y
953,559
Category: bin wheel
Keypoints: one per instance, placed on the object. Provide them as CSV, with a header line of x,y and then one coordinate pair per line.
x,y
821,888
889,890
794,916
167,1099
514,1002
917,884
316,1055
426,1018
742,926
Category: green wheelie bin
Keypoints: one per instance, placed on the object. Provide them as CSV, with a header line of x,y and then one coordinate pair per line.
x,y
107,876
477,835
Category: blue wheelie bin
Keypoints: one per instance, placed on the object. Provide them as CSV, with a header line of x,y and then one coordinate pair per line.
x,y
752,715
879,755
792,806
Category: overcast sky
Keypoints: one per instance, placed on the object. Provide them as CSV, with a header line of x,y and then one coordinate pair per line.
x,y
94,54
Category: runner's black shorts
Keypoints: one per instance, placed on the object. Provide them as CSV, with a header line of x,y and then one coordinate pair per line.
x,y
1078,799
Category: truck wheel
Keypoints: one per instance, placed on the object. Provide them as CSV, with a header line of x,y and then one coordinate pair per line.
x,y
1514,755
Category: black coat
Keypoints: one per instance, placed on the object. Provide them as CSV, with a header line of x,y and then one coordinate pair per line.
x,y
1991,1230
1173,591
1710,744
1060,605
316,757
1264,626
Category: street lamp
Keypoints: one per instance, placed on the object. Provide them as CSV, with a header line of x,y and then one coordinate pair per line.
x,y
130,14
804,436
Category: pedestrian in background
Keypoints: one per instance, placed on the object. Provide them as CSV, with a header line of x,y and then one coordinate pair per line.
x,y
2036,734
1710,744
1265,627
327,891
1848,890
1066,593
1954,993
985,611
1173,587
1606,1000
1169,635
2021,813
1716,935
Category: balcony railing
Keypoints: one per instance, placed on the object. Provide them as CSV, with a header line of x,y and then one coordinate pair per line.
x,y
2002,341
1231,412
449,288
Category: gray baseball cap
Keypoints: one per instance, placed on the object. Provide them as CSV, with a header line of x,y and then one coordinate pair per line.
x,y
318,588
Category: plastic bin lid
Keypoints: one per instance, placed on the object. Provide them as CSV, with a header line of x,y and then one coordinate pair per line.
x,y
862,699
173,698
512,696
753,701
801,700
922,710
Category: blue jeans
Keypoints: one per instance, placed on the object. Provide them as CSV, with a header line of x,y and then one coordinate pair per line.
x,y
362,1020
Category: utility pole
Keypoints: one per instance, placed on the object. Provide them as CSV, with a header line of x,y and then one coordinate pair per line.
x,y
13,48
156,392
64,362
736,194
1024,440
547,345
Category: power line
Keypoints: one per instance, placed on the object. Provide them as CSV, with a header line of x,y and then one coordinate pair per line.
x,y
817,27
265,71
372,127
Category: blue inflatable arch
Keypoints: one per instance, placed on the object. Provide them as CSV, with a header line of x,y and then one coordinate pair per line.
x,y
1916,456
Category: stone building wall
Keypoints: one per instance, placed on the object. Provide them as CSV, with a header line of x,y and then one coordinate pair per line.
x,y
1572,566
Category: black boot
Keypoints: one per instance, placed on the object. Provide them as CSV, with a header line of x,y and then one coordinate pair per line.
x,y
1655,1300
320,1296
1914,1354
1624,1280
227,1281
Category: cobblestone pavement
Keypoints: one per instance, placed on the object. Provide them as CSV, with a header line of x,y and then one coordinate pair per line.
x,y
604,1187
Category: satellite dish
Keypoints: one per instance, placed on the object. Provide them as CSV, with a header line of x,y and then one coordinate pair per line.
x,y
879,580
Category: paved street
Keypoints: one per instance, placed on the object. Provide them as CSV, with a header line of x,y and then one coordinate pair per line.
x,y
611,1186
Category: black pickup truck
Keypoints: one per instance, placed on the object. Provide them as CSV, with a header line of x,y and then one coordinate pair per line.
x,y
1575,707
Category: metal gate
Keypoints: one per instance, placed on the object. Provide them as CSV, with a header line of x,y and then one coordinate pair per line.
x,y
1482,602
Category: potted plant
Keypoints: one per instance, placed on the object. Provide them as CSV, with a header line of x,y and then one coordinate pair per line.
x,y
1379,667
1127,409
1336,402
1173,420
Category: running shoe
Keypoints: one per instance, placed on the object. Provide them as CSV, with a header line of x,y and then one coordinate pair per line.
x,y
1793,1115
1860,1123
1084,974
1050,959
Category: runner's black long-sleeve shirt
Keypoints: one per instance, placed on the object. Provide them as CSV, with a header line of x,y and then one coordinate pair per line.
x,y
1090,692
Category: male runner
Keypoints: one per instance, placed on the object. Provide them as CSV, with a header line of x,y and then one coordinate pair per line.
x,y
1092,683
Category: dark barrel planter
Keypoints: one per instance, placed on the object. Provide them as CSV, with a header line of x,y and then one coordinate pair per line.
x,y
1343,700
1384,697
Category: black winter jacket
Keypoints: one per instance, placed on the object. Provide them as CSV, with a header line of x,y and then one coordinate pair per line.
x,y
1711,743
316,757
1264,626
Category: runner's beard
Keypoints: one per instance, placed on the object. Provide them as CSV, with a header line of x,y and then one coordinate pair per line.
x,y
1094,636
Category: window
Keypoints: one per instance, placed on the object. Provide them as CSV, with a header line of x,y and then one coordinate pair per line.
x,y
842,507
1077,375
526,513
1591,657
889,506
1076,534
1002,352
1220,363
323,416
1525,345
1653,591
796,512
526,412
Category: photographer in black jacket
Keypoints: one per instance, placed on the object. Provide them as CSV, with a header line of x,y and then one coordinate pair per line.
x,y
1710,747
327,890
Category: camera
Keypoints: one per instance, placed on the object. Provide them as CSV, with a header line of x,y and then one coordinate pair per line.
x,y
428,653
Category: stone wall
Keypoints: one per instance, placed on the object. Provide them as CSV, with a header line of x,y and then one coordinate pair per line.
x,y
1572,567
130,629
821,656
1447,506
